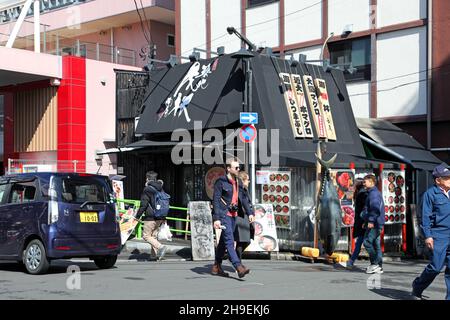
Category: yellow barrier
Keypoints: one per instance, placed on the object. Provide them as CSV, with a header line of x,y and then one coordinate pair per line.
x,y
340,257
310,252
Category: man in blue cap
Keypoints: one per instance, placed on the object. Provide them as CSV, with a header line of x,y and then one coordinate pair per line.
x,y
435,225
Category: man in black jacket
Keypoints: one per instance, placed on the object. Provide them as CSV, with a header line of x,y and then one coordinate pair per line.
x,y
228,196
147,208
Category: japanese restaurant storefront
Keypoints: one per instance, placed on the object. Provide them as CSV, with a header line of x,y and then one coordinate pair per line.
x,y
198,104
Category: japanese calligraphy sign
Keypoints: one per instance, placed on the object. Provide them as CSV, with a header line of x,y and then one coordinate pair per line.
x,y
324,103
301,102
293,108
315,107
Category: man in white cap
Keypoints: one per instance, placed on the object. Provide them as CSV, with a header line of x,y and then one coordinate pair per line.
x,y
435,225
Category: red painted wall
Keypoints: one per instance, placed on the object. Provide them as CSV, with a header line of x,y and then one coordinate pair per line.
x,y
72,115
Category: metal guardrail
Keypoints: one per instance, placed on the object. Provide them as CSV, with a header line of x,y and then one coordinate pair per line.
x,y
138,231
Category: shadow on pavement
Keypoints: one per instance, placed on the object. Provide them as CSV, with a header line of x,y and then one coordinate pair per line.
x,y
56,267
394,294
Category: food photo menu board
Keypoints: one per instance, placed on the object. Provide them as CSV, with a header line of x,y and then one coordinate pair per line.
x,y
344,181
394,196
265,238
277,191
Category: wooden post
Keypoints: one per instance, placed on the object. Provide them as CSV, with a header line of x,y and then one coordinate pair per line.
x,y
318,186
187,226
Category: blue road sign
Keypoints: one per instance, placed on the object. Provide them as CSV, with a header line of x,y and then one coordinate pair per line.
x,y
249,118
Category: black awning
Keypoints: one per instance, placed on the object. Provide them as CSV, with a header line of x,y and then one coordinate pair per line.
x,y
342,160
393,140
272,108
149,143
210,91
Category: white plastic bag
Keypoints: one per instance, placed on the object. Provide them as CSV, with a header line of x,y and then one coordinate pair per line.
x,y
164,233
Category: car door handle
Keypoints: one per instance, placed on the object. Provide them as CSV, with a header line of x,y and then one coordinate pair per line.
x,y
27,208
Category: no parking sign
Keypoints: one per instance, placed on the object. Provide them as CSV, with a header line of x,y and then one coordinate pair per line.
x,y
248,133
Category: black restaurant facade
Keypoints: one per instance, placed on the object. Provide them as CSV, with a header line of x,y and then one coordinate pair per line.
x,y
195,107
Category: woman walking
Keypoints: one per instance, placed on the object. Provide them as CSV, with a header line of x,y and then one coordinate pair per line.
x,y
244,231
359,197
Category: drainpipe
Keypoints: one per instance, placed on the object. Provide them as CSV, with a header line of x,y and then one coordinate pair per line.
x,y
429,73
112,45
37,26
387,150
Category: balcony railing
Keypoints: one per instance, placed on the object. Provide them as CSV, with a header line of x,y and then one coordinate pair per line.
x,y
60,46
11,10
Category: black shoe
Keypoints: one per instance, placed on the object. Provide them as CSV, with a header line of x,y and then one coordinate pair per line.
x,y
415,295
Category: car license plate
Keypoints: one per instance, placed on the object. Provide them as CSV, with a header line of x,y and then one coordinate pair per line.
x,y
88,217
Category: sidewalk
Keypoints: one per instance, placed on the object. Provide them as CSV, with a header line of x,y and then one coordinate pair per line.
x,y
138,249
135,249
180,249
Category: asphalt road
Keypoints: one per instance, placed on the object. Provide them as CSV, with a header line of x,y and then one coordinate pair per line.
x,y
180,280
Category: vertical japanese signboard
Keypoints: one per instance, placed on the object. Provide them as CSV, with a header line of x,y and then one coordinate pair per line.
x,y
317,115
301,102
293,108
325,108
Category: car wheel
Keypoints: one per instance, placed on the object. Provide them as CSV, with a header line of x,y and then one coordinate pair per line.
x,y
105,262
35,258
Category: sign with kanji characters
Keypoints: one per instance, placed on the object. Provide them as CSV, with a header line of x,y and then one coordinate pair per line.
x,y
293,108
317,115
324,104
265,238
301,102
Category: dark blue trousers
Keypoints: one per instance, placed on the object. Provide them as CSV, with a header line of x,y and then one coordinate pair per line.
x,y
358,245
226,242
440,257
373,245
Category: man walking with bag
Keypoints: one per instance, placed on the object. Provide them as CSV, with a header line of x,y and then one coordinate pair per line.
x,y
228,197
154,210
435,225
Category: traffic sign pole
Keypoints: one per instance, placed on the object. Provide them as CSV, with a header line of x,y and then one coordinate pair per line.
x,y
253,170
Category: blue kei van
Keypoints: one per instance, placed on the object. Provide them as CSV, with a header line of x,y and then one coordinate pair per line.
x,y
47,216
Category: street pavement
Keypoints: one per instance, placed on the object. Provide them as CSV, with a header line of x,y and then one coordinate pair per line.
x,y
179,279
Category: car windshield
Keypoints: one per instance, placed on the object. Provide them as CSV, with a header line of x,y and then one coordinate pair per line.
x,y
82,189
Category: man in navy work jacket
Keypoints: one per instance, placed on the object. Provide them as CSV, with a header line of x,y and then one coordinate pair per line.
x,y
374,222
435,226
228,197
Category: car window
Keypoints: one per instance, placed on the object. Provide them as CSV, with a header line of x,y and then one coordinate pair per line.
x,y
22,192
81,190
3,188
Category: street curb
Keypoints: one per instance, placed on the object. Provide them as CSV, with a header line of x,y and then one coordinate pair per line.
x,y
131,246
